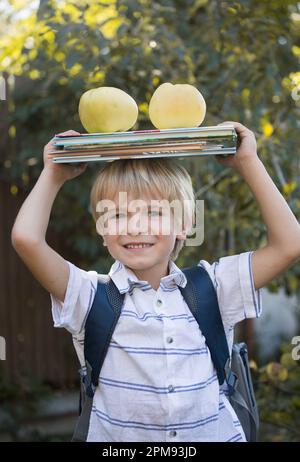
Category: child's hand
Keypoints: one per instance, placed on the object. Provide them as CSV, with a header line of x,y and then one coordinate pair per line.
x,y
62,172
246,147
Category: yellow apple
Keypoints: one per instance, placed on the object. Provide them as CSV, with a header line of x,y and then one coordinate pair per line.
x,y
107,109
176,106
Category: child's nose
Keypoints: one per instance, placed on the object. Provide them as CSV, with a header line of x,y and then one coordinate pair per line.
x,y
137,224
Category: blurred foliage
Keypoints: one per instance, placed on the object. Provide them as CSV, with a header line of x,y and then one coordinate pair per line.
x,y
20,403
243,57
30,411
278,398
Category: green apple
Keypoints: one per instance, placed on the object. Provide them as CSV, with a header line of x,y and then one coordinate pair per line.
x,y
177,106
107,110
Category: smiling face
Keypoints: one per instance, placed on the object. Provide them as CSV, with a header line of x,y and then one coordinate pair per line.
x,y
143,180
141,233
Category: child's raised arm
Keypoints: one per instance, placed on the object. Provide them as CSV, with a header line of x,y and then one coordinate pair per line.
x,y
28,234
283,230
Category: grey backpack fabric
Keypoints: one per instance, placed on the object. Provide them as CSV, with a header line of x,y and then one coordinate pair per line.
x,y
243,398
201,297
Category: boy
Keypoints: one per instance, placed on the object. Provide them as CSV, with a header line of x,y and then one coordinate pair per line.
x,y
157,382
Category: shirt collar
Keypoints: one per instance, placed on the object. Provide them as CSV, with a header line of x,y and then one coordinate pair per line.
x,y
125,279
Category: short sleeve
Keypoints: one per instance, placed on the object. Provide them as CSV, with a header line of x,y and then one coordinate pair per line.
x,y
72,313
233,280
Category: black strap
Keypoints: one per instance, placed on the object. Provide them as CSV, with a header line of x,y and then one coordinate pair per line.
x,y
200,295
99,327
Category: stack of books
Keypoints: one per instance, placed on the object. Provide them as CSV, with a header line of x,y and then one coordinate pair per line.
x,y
176,142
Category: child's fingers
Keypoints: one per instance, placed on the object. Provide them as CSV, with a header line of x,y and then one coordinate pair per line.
x,y
66,133
50,141
242,131
237,125
227,122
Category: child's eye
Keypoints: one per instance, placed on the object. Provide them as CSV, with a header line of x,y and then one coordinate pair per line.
x,y
116,215
155,212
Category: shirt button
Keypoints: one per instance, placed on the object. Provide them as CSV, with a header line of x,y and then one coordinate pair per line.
x,y
158,302
170,388
173,433
169,340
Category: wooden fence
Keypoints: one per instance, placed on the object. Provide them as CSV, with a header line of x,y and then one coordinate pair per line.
x,y
34,348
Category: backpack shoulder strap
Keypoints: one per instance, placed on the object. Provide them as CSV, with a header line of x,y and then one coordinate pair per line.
x,y
200,295
99,327
100,324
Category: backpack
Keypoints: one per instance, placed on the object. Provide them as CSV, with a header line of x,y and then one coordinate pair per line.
x,y
200,295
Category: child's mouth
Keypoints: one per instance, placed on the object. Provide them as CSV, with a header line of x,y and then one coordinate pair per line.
x,y
137,247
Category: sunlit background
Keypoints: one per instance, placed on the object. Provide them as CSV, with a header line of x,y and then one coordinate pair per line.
x,y
244,58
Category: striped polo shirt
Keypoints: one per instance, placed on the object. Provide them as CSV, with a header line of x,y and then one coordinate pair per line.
x,y
158,382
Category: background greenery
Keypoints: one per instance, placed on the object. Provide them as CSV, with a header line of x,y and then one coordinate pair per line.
x,y
244,58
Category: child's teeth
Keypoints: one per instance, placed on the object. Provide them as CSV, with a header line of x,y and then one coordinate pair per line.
x,y
140,246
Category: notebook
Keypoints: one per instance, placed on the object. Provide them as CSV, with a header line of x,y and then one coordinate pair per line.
x,y
176,142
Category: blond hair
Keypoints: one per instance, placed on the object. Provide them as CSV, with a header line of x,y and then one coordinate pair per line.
x,y
161,176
